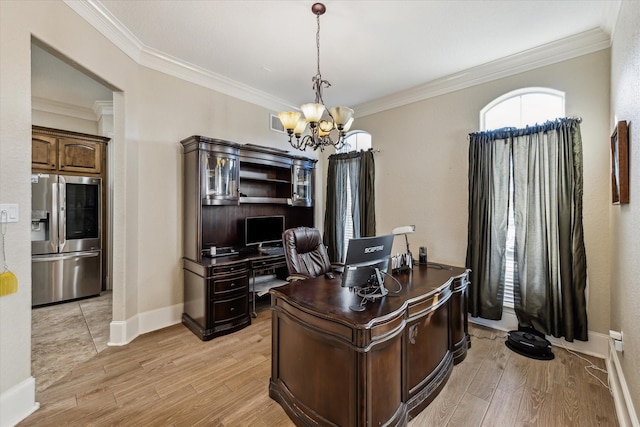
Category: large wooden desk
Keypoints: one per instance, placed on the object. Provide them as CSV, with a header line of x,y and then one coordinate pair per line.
x,y
333,366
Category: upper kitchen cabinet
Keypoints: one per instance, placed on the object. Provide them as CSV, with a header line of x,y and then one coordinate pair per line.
x,y
44,152
74,153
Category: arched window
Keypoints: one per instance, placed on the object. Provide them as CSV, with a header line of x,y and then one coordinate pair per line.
x,y
356,140
518,109
523,107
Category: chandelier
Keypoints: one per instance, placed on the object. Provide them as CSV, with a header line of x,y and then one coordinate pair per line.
x,y
322,122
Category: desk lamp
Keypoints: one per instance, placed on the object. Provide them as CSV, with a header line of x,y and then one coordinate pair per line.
x,y
405,229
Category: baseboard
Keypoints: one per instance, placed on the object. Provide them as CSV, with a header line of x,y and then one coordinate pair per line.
x,y
597,345
123,332
625,410
18,403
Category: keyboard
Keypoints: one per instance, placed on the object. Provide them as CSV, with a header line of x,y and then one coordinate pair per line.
x,y
273,250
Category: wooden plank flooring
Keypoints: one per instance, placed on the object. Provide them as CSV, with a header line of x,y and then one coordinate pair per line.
x,y
171,378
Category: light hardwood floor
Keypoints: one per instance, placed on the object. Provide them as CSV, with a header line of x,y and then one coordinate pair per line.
x,y
171,378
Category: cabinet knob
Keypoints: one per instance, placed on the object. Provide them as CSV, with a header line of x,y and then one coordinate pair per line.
x,y
232,308
232,285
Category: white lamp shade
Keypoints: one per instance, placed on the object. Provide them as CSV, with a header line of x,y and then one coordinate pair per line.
x,y
346,127
312,112
289,119
300,127
325,126
341,115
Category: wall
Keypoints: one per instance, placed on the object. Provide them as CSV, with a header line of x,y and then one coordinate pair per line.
x,y
60,121
625,219
423,164
152,113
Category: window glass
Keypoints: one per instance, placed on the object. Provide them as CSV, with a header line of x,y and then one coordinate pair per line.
x,y
357,140
523,107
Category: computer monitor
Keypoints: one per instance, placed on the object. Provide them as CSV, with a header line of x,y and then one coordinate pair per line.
x,y
366,262
262,230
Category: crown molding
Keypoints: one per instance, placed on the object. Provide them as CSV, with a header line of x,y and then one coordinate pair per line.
x,y
108,25
571,47
102,108
176,67
61,108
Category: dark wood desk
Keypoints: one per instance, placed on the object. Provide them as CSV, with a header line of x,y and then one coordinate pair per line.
x,y
333,366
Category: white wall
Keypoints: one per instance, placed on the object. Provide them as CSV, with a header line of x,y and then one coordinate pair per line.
x,y
422,168
152,113
625,219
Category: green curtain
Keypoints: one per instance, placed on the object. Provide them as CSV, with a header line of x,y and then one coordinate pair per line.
x,y
489,159
366,195
549,292
546,163
357,170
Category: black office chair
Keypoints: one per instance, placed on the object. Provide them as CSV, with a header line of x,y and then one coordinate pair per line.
x,y
305,253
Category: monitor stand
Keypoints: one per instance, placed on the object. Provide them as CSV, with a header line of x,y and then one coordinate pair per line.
x,y
270,250
379,293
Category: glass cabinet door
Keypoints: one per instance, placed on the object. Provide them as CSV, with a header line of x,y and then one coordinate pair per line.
x,y
302,182
220,179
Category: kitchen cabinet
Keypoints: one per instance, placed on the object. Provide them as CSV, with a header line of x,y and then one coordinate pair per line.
x,y
55,150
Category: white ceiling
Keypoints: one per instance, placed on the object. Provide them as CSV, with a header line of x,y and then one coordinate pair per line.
x,y
369,50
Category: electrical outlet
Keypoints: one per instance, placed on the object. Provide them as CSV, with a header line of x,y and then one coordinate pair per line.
x,y
616,335
617,340
9,212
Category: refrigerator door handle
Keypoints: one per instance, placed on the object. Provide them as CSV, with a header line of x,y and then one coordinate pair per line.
x,y
55,216
39,258
62,214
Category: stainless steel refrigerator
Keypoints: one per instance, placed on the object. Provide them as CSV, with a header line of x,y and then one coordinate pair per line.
x,y
66,227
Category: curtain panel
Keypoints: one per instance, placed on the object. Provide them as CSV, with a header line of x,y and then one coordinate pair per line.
x,y
355,170
546,169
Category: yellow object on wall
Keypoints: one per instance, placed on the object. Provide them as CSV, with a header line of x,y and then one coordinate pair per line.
x,y
8,283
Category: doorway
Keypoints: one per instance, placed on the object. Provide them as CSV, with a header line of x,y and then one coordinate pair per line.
x,y
67,97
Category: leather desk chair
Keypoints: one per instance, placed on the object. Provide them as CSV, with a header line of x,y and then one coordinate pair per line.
x,y
305,253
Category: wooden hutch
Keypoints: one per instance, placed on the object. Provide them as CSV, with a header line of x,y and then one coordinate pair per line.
x,y
224,183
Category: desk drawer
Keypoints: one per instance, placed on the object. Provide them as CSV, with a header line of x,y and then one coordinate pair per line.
x,y
268,264
228,309
235,283
238,267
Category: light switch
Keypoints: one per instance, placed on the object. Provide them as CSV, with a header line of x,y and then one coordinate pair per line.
x,y
9,213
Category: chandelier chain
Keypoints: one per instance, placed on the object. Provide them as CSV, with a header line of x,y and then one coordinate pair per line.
x,y
317,79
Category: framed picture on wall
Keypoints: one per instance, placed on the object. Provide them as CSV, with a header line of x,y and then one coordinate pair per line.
x,y
620,164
